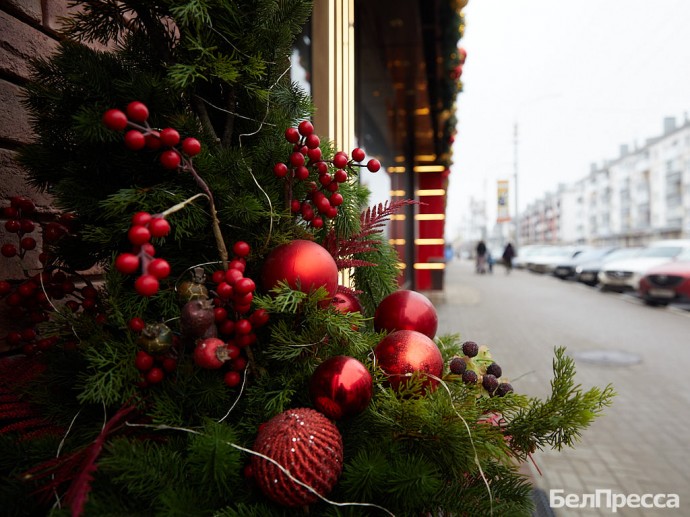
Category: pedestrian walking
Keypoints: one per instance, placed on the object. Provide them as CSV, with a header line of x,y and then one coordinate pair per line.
x,y
508,255
481,257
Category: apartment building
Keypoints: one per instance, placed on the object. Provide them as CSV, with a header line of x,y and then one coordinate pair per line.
x,y
639,196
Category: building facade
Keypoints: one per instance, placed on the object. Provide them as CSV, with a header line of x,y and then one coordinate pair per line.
x,y
638,197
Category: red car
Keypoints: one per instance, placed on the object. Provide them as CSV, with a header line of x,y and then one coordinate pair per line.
x,y
667,283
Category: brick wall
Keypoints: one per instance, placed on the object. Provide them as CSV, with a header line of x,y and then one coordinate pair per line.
x,y
28,28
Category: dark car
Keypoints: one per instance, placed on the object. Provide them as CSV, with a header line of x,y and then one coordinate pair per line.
x,y
667,283
567,269
588,272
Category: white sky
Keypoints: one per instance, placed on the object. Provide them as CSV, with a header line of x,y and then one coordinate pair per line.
x,y
579,78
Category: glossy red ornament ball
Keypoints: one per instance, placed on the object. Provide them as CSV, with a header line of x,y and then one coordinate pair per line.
x,y
344,301
303,265
307,444
341,387
406,310
404,352
210,353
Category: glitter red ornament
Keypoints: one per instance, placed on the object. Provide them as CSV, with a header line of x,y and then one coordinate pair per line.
x,y
341,387
303,265
405,352
406,310
307,444
344,301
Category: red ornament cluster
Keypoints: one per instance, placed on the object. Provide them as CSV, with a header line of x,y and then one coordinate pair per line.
x,y
323,177
175,151
144,228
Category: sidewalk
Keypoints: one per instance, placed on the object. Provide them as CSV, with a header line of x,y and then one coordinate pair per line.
x,y
637,447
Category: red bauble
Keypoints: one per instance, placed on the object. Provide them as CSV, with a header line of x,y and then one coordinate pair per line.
x,y
211,353
404,352
303,265
406,310
341,387
344,301
307,444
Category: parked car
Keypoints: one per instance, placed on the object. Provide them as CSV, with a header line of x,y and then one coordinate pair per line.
x,y
525,252
588,272
625,274
566,268
546,260
667,283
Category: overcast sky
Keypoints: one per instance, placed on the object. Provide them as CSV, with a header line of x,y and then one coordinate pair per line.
x,y
578,78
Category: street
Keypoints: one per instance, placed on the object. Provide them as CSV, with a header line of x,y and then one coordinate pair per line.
x,y
640,445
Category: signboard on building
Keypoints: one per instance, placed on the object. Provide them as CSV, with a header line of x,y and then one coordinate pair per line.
x,y
502,204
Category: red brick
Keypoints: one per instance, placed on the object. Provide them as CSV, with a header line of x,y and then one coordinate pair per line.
x,y
28,8
14,123
19,43
13,182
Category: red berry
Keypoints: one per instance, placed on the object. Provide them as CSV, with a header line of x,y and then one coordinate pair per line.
x,y
239,364
27,225
332,186
170,159
10,212
331,212
148,249
295,205
53,231
301,173
210,353
292,135
358,154
243,326
13,225
153,141
227,327
296,159
159,227
143,361
237,264
28,243
146,285
305,128
241,249
170,137
244,286
155,375
233,351
233,275
340,160
136,324
141,219
325,179
137,111
232,378
135,140
259,318
218,276
139,235
312,141
115,119
336,199
321,167
191,146
170,364
89,292
280,170
374,165
5,287
224,290
127,263
314,154
220,314
26,289
317,222
159,268
28,334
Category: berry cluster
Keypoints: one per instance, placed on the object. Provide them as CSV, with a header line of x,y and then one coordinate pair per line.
x,y
322,177
157,356
142,136
144,228
19,222
476,367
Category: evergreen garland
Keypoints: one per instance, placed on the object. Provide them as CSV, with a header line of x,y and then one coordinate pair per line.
x,y
84,437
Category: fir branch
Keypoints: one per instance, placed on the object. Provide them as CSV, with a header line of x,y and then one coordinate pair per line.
x,y
559,420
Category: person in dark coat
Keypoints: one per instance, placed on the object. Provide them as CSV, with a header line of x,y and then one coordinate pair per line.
x,y
508,255
481,257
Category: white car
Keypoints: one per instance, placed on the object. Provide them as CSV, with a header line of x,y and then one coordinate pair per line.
x,y
525,252
625,274
546,260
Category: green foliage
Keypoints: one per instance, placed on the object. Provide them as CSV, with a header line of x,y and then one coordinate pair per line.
x,y
217,70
